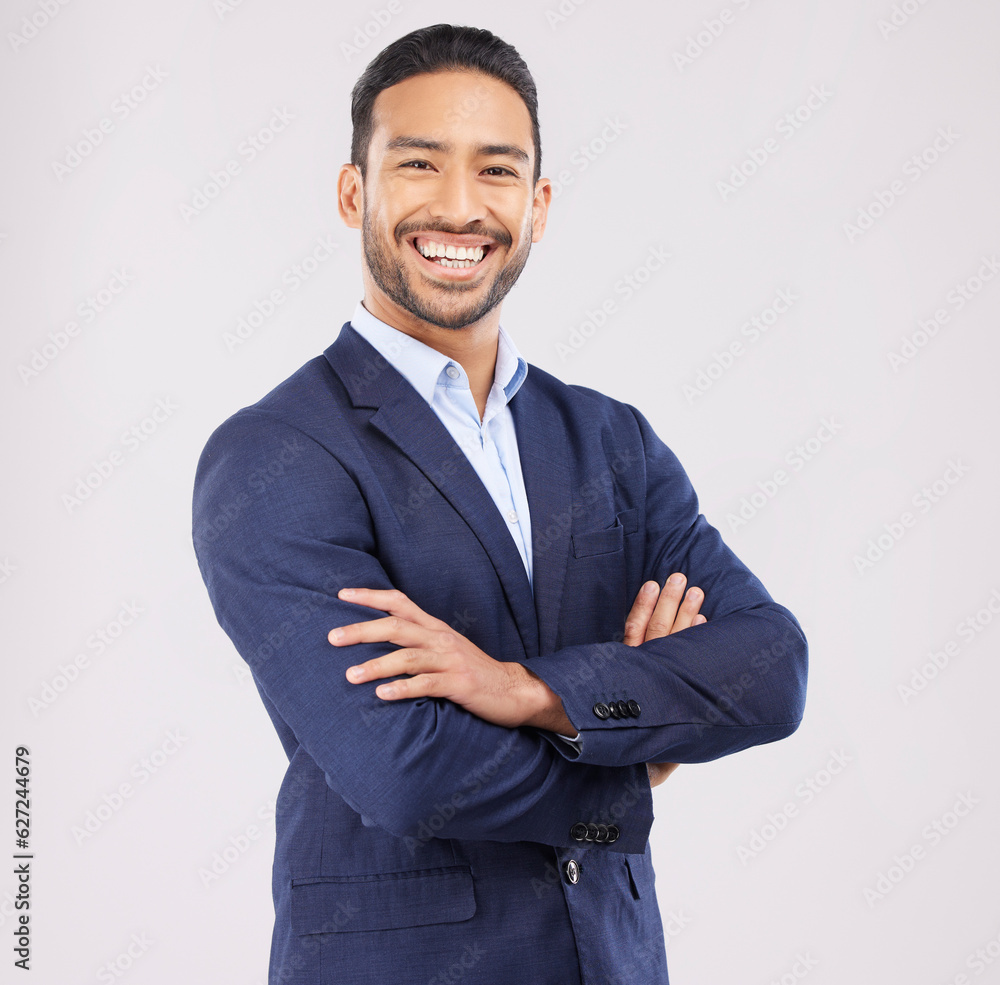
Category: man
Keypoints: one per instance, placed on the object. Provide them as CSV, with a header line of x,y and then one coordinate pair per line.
x,y
427,553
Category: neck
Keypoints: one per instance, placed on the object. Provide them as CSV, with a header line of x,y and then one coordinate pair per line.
x,y
473,347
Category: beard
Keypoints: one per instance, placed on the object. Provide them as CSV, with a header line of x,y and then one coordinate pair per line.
x,y
445,307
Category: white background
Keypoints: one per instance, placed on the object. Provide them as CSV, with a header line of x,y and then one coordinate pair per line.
x,y
750,904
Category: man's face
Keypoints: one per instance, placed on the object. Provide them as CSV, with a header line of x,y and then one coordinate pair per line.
x,y
449,204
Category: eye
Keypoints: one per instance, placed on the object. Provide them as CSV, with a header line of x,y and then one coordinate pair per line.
x,y
498,170
416,165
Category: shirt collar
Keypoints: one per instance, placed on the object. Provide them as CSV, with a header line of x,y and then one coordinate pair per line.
x,y
421,366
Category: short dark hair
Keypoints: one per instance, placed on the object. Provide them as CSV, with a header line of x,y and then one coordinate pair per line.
x,y
439,48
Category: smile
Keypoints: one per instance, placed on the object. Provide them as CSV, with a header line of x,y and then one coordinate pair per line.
x,y
449,255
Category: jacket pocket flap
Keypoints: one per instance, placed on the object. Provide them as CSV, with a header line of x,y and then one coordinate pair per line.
x,y
609,539
382,901
593,542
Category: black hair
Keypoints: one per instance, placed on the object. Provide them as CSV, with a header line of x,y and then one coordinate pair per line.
x,y
441,47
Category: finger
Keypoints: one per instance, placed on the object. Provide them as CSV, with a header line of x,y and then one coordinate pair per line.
x,y
390,629
403,661
698,620
688,609
390,600
638,616
662,620
421,686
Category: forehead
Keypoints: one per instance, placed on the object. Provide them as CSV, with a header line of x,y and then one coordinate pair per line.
x,y
460,107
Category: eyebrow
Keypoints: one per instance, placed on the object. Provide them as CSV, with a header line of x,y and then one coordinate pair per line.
x,y
483,150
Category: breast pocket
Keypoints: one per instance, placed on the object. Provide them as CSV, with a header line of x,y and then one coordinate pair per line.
x,y
594,596
607,540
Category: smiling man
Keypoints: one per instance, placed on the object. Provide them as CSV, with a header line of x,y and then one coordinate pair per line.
x,y
462,585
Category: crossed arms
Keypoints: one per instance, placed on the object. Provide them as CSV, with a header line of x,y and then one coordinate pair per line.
x,y
275,555
442,663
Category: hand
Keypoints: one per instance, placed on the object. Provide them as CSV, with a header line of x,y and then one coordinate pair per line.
x,y
658,772
658,613
655,614
442,663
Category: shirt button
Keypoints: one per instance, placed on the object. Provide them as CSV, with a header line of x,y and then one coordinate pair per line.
x,y
512,516
453,372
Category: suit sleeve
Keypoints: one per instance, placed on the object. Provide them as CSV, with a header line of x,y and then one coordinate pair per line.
x,y
735,681
279,528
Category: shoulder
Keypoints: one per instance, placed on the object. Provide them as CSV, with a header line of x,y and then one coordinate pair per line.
x,y
590,419
302,399
277,462
581,402
288,444
311,403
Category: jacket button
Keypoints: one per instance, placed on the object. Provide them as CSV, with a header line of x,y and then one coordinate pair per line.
x,y
613,709
572,870
634,708
591,832
623,709
613,833
601,710
602,834
578,832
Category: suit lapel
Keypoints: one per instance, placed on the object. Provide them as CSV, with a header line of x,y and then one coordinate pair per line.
x,y
405,418
543,445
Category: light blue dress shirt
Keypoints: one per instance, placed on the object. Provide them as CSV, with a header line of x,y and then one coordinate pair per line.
x,y
490,444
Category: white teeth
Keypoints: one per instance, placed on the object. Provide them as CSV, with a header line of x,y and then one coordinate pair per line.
x,y
452,256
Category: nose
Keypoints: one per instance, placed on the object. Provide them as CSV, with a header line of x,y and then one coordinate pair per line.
x,y
457,198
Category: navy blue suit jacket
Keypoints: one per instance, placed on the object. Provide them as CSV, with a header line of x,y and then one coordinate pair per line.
x,y
416,842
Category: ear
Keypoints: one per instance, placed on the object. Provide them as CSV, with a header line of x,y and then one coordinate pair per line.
x,y
350,196
540,208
